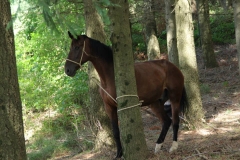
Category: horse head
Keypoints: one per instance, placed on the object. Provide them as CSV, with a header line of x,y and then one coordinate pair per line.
x,y
78,54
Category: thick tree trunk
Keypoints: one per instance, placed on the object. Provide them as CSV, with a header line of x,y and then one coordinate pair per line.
x,y
205,34
237,28
12,143
171,32
130,121
153,49
98,116
187,61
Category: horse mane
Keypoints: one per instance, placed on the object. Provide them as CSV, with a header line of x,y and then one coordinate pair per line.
x,y
101,50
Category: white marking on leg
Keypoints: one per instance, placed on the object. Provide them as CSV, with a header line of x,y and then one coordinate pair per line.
x,y
158,147
174,147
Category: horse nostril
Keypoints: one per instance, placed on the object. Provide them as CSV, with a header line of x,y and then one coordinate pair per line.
x,y
67,71
70,72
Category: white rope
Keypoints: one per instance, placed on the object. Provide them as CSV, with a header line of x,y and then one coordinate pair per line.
x,y
122,96
104,89
125,108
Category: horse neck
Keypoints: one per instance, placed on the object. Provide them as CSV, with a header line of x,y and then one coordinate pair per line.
x,y
105,71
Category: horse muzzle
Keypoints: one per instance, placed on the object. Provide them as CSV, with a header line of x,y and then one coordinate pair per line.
x,y
70,72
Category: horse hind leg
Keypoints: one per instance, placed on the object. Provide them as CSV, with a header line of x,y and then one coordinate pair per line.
x,y
159,111
175,125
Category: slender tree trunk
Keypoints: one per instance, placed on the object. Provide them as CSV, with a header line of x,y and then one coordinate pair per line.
x,y
95,30
12,143
153,49
130,121
187,61
205,34
229,4
171,32
223,4
159,11
237,28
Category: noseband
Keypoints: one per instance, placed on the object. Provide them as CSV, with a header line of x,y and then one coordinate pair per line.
x,y
83,51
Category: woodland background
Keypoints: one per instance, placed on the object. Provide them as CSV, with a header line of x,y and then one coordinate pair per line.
x,y
56,123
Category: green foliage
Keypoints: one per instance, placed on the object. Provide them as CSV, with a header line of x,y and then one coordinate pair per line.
x,y
222,26
138,38
222,33
225,84
41,54
162,39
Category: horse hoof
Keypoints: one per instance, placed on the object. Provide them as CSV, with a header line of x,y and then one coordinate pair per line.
x,y
174,147
119,155
158,148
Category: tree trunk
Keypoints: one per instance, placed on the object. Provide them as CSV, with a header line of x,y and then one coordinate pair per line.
x,y
237,28
187,61
130,121
98,116
223,4
12,143
205,34
153,49
159,14
171,32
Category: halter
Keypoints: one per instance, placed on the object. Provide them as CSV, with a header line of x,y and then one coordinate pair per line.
x,y
83,51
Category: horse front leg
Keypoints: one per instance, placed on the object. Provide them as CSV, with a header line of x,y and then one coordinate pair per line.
x,y
116,135
112,114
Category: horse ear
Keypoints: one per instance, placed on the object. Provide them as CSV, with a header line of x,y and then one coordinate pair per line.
x,y
70,35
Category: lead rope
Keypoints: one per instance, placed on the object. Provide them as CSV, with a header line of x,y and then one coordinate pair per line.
x,y
115,100
103,89
125,108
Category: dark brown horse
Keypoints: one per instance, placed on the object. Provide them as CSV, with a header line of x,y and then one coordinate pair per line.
x,y
157,81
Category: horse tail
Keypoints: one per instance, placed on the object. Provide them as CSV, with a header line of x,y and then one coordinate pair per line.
x,y
184,101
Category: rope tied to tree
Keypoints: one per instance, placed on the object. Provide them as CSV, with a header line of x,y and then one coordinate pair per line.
x,y
125,108
122,96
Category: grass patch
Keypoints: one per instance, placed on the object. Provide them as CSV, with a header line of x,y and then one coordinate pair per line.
x,y
204,88
58,135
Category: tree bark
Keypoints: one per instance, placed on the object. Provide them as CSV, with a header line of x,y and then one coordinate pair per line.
x,y
205,34
153,49
12,143
98,116
171,32
237,28
130,121
187,61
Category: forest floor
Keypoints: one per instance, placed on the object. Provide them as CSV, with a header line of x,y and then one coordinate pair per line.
x,y
219,138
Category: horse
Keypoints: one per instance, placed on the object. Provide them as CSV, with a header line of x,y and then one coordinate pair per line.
x,y
157,81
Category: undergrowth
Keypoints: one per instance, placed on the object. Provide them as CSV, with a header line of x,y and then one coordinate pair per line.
x,y
59,135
